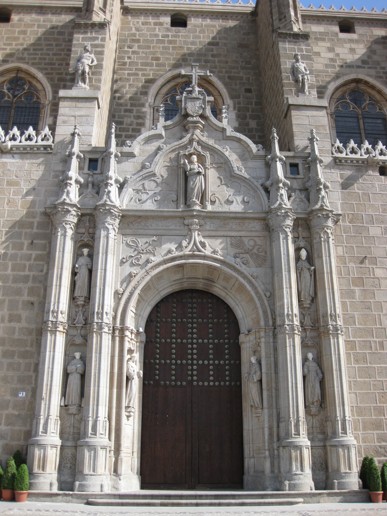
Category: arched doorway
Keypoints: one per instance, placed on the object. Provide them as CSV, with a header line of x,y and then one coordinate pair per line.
x,y
191,434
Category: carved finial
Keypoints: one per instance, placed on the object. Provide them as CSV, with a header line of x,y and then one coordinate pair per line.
x,y
318,187
71,180
109,191
277,183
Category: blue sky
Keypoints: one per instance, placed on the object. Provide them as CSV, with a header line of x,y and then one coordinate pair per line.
x,y
368,4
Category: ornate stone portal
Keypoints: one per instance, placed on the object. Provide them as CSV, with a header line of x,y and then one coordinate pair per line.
x,y
194,205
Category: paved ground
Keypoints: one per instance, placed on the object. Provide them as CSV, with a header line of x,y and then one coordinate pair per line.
x,y
49,509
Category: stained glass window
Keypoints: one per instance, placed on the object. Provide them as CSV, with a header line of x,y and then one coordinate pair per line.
x,y
20,104
359,117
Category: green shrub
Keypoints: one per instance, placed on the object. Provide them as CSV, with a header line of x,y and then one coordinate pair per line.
x,y
383,476
1,476
18,458
364,471
374,480
9,474
22,480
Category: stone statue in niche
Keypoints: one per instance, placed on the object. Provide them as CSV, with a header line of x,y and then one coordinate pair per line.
x,y
195,181
75,370
82,278
305,279
132,374
85,61
254,377
313,377
300,74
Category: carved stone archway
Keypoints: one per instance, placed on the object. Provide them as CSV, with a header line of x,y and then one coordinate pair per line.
x,y
212,274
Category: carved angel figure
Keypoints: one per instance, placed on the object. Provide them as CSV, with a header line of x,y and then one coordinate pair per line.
x,y
195,181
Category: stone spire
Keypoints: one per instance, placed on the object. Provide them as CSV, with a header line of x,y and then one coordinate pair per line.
x,y
277,183
71,180
111,181
318,187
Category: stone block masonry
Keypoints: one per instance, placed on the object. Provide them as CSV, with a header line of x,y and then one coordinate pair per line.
x,y
25,243
149,47
42,39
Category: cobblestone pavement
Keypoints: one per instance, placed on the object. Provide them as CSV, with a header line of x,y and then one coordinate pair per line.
x,y
48,509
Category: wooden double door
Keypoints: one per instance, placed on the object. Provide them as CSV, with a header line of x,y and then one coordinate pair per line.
x,y
191,434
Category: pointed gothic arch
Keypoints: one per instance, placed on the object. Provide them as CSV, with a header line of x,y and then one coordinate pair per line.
x,y
25,97
358,110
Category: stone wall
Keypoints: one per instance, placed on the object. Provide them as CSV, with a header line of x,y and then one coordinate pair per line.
x,y
270,70
359,193
361,247
221,43
25,243
41,38
338,54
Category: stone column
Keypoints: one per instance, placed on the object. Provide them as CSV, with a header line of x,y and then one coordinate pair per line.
x,y
341,445
294,447
44,446
94,446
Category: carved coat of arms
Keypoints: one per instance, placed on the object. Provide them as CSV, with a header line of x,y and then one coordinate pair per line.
x,y
194,106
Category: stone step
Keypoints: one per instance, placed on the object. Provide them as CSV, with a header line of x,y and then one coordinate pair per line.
x,y
190,502
205,497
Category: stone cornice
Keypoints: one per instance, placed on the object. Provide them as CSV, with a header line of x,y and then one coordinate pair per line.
x,y
42,3
343,13
193,6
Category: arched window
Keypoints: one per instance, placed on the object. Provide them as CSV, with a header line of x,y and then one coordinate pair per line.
x,y
169,94
359,116
23,101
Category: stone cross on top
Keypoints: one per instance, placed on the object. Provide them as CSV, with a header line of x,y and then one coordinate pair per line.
x,y
195,74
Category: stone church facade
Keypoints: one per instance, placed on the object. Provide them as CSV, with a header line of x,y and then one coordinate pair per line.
x,y
194,237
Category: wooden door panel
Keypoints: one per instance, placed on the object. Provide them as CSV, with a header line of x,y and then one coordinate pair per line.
x,y
165,432
192,421
219,438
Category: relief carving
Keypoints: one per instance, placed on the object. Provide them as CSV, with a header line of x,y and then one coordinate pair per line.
x,y
139,250
194,242
249,252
